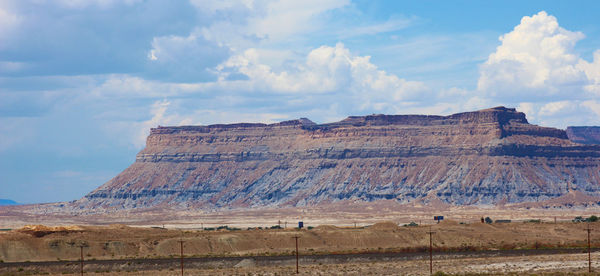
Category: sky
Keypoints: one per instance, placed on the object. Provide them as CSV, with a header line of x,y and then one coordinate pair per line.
x,y
83,81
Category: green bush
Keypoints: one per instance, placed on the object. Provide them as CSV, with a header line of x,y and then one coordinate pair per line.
x,y
593,218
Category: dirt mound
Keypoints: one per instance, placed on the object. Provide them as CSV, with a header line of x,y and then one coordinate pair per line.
x,y
386,225
43,230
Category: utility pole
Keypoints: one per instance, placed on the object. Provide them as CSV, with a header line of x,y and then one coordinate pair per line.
x,y
430,251
181,243
588,229
81,248
296,237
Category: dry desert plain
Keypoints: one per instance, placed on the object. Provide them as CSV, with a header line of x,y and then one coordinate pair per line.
x,y
522,246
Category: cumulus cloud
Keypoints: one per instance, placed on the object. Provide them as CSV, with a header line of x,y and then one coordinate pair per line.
x,y
592,71
537,68
327,70
536,61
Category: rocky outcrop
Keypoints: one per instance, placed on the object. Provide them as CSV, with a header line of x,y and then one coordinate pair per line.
x,y
584,134
491,156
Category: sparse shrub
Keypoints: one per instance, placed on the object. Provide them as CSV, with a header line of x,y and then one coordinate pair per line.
x,y
276,227
411,224
310,228
488,220
439,273
593,218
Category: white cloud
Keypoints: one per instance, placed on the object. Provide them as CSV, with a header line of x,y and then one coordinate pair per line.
x,y
288,17
561,114
592,71
535,61
328,70
243,23
554,108
537,68
593,106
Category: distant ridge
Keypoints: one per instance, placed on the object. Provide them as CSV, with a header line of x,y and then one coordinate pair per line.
x,y
4,202
589,135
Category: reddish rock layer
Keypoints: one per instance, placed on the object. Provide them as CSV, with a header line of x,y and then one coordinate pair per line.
x,y
485,157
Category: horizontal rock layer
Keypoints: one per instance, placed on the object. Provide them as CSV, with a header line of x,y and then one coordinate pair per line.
x,y
490,156
584,134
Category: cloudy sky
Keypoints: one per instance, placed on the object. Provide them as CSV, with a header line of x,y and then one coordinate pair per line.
x,y
82,81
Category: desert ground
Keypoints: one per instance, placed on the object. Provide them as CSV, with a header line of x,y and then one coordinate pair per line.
x,y
564,264
341,213
384,248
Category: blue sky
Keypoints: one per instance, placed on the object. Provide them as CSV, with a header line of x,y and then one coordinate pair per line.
x,y
83,81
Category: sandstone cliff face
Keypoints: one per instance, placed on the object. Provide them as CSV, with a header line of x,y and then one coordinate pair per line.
x,y
584,134
485,157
